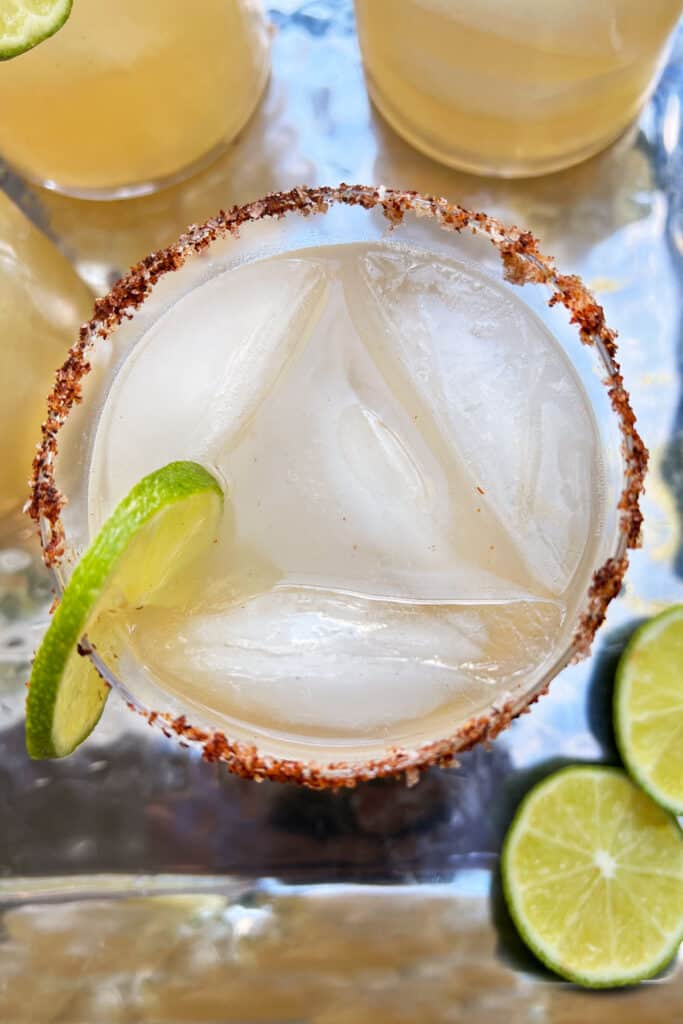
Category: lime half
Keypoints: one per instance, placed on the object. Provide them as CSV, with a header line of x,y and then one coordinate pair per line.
x,y
25,23
648,708
168,519
593,877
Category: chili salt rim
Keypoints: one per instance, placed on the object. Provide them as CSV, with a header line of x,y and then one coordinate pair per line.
x,y
522,263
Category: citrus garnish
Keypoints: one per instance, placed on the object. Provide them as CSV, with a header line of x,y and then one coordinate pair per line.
x,y
648,708
165,522
593,877
25,23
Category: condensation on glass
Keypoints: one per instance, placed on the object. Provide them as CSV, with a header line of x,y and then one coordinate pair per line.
x,y
42,304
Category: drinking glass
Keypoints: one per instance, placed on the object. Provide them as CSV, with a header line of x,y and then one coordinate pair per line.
x,y
512,89
199,265
133,94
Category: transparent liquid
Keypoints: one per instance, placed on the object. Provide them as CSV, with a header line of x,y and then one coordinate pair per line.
x,y
413,477
512,88
42,304
139,91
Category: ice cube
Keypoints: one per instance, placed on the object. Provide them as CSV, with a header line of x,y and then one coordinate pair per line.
x,y
328,664
194,380
495,391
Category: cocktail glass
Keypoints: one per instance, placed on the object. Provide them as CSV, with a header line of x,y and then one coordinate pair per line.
x,y
512,89
432,479
133,94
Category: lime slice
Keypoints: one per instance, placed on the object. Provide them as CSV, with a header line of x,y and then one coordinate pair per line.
x,y
648,708
168,519
25,23
593,877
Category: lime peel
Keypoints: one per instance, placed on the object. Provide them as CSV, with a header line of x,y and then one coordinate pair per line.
x,y
155,530
25,23
648,708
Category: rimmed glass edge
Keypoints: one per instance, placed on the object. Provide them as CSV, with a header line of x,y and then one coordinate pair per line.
x,y
522,263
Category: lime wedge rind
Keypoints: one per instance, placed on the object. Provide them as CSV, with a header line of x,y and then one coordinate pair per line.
x,y
539,945
59,647
23,28
67,694
627,722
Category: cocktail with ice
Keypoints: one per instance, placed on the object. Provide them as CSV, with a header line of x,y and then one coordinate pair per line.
x,y
428,493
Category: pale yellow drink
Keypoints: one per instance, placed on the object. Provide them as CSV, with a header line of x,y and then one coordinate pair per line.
x,y
42,304
413,478
512,88
131,93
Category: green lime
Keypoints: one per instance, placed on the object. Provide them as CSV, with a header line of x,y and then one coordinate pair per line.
x,y
648,708
593,877
25,23
168,519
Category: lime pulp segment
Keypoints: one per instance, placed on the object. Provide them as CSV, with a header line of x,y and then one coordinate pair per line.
x,y
648,708
593,877
25,23
166,521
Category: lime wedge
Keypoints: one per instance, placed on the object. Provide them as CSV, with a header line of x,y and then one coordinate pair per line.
x,y
168,519
593,877
25,23
648,708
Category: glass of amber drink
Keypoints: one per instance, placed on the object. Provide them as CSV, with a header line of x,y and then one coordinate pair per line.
x,y
132,94
512,89
42,303
430,491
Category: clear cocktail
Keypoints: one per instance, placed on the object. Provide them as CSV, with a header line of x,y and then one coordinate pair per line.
x,y
418,491
132,93
512,88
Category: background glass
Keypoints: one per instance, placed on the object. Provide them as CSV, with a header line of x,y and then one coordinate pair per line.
x,y
131,94
512,88
42,304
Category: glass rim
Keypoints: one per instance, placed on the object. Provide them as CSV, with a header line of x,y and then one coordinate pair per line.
x,y
522,263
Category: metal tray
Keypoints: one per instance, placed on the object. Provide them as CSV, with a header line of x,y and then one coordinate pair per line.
x,y
139,884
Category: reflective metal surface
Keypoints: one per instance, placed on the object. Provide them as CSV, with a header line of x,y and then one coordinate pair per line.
x,y
437,946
